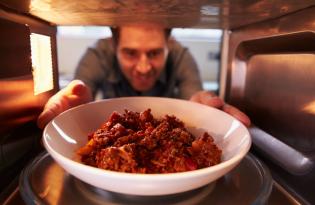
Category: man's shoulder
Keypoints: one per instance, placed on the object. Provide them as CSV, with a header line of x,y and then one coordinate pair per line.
x,y
175,46
103,45
176,51
104,54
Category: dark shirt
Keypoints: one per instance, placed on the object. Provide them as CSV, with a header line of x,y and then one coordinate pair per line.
x,y
99,69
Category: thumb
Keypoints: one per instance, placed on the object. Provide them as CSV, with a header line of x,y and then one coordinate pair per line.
x,y
76,93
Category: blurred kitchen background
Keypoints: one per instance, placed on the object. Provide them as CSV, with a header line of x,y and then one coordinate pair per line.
x,y
204,44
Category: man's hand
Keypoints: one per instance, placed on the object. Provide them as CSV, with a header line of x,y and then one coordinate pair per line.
x,y
76,93
210,99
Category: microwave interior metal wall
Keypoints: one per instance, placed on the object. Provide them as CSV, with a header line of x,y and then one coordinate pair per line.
x,y
267,70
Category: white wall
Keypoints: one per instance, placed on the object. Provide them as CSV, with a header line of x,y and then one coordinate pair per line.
x,y
201,51
70,49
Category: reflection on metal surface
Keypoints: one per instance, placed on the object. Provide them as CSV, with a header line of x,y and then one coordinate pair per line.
x,y
309,108
19,107
14,198
288,196
210,10
280,196
14,49
17,102
249,183
198,13
41,5
276,150
277,91
276,87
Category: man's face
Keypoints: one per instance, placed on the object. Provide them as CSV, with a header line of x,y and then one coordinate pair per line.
x,y
142,53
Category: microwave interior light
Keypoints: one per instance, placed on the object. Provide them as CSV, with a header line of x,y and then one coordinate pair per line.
x,y
41,63
309,108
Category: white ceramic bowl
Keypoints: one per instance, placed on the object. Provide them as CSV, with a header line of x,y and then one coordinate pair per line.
x,y
68,131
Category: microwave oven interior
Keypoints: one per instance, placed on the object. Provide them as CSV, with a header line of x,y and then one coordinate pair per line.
x,y
267,70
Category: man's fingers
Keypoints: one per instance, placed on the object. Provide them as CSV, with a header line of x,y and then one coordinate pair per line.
x,y
79,94
48,114
208,98
79,88
212,101
237,114
76,93
195,98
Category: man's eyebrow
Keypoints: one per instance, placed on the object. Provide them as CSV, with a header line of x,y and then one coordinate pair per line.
x,y
148,51
156,49
128,49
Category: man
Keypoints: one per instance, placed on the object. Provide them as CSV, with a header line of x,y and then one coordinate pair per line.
x,y
140,60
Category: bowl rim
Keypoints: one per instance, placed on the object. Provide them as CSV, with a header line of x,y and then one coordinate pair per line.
x,y
141,176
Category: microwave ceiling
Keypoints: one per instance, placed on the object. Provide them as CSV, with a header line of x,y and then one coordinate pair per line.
x,y
224,14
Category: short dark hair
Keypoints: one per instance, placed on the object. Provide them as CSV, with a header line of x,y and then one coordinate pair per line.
x,y
116,33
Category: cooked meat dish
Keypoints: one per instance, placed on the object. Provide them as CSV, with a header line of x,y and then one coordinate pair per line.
x,y
139,143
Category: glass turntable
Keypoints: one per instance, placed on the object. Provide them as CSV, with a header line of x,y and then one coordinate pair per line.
x,y
43,181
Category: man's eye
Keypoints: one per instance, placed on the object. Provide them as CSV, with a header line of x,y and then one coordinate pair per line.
x,y
130,53
154,53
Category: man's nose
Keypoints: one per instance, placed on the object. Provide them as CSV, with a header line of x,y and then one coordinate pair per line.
x,y
143,66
